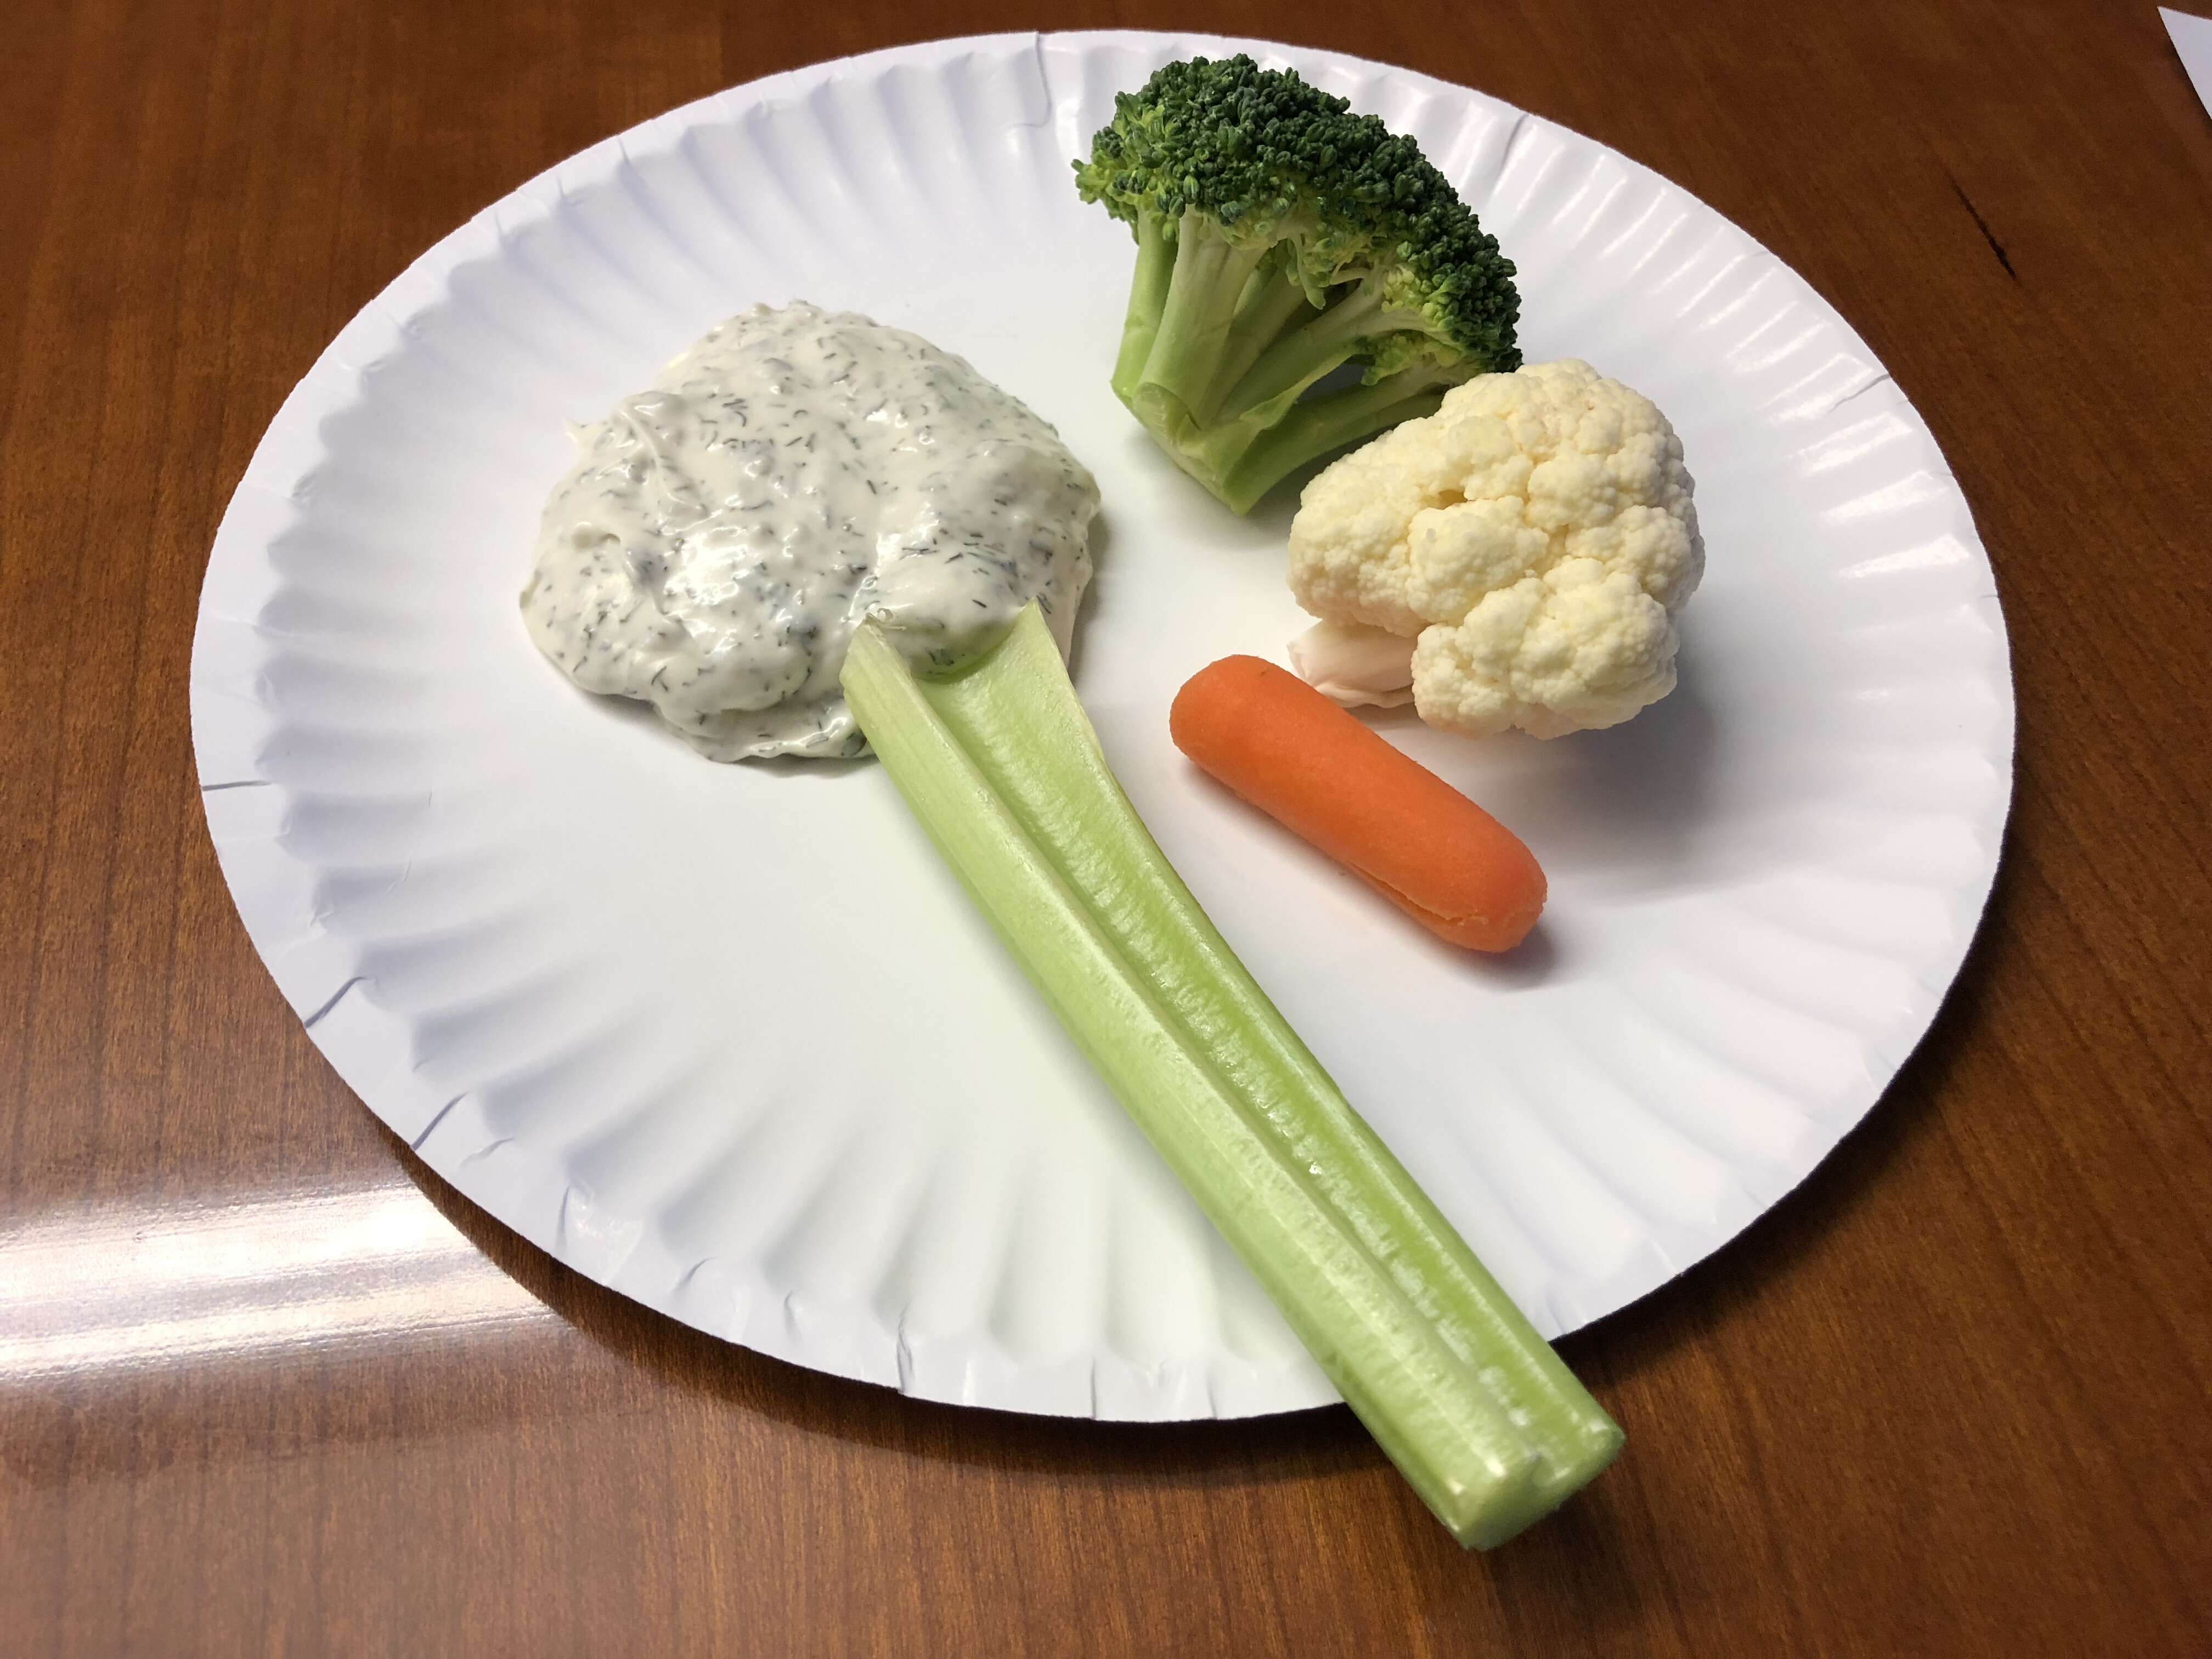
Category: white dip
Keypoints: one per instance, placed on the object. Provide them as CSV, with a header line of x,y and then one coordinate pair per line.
x,y
793,474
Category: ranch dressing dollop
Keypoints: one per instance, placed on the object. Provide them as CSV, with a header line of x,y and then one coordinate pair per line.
x,y
791,475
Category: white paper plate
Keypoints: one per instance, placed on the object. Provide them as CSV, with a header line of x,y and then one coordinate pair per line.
x,y
730,1040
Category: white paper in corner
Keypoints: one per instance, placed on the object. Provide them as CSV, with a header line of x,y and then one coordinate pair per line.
x,y
2193,40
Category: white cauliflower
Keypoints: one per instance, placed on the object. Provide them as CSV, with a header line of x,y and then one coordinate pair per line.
x,y
1529,543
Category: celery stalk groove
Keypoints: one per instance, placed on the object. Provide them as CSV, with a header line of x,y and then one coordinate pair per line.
x,y
1001,765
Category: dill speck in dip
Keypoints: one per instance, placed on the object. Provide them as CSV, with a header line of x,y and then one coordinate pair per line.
x,y
795,473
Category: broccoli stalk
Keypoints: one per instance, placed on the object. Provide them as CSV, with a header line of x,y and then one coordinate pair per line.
x,y
1280,238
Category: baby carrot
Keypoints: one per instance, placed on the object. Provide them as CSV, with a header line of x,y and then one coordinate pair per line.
x,y
1323,775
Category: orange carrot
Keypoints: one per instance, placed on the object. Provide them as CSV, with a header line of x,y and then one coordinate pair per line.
x,y
1315,769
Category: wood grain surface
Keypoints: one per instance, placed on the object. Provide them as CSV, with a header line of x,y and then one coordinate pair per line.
x,y
1950,1398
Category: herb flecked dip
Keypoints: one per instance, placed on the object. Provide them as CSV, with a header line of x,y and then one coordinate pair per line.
x,y
794,473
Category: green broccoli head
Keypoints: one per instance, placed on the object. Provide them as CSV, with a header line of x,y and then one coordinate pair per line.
x,y
1281,237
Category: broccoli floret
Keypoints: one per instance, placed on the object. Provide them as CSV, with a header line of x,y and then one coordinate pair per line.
x,y
1281,237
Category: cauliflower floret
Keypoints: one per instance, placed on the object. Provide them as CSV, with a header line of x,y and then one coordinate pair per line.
x,y
1531,541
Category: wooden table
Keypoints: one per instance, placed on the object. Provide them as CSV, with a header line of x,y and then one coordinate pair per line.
x,y
1950,1398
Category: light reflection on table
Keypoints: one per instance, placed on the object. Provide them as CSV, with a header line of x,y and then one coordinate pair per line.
x,y
114,1289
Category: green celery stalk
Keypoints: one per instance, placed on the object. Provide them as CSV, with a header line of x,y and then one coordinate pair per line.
x,y
1002,768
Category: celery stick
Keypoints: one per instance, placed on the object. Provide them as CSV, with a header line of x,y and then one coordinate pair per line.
x,y
1001,766
1015,713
